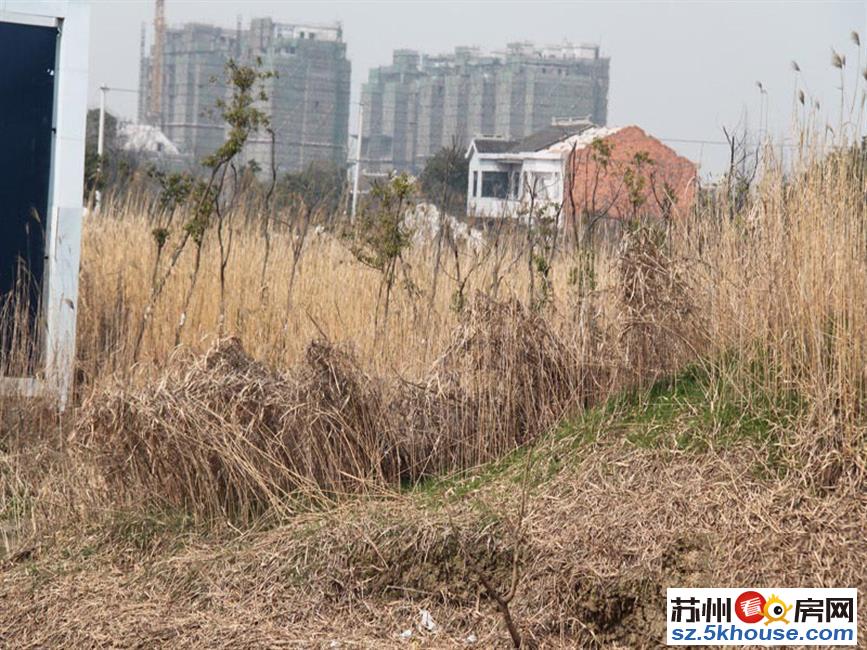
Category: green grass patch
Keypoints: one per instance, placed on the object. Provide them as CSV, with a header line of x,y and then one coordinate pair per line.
x,y
145,531
700,408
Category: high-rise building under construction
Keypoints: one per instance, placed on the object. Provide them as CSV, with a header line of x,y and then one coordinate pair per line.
x,y
307,99
419,104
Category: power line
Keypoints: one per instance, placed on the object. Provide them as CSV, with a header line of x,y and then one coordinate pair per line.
x,y
715,142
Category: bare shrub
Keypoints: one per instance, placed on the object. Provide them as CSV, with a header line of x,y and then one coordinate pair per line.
x,y
657,318
504,379
507,353
434,426
223,433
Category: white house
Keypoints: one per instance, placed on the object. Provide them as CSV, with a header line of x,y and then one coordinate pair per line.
x,y
506,175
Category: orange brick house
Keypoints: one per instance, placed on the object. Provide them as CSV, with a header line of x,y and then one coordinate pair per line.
x,y
625,173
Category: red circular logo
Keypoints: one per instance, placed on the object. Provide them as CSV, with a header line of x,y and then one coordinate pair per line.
x,y
750,607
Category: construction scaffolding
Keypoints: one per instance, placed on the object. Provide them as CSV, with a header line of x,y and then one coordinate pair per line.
x,y
419,104
307,99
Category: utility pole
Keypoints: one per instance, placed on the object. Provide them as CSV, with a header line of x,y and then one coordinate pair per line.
x,y
100,144
100,139
357,161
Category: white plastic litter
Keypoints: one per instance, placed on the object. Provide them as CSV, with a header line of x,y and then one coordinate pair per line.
x,y
144,137
425,221
427,621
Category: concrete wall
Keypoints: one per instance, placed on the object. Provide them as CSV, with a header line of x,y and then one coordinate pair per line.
x,y
65,210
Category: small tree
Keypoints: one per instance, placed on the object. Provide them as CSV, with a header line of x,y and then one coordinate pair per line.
x,y
742,170
444,179
321,185
93,179
543,225
597,161
118,168
207,200
444,182
379,237
636,182
243,119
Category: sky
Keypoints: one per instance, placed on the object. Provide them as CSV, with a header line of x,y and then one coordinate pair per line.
x,y
680,70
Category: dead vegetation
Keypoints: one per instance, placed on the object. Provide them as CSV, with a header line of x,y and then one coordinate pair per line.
x,y
284,486
660,326
503,380
603,539
224,435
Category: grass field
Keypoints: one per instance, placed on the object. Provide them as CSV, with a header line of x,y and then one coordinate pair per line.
x,y
276,447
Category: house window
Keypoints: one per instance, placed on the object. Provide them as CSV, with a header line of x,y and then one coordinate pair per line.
x,y
475,184
545,186
514,185
495,185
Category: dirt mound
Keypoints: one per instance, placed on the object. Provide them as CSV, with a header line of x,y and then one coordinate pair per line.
x,y
224,433
601,541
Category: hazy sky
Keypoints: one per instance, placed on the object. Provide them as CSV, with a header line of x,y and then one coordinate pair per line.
x,y
680,70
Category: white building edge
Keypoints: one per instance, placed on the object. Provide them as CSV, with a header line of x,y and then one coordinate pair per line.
x,y
66,189
505,176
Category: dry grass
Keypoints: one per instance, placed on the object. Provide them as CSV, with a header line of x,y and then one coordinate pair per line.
x,y
786,291
222,434
453,378
602,540
197,496
225,434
